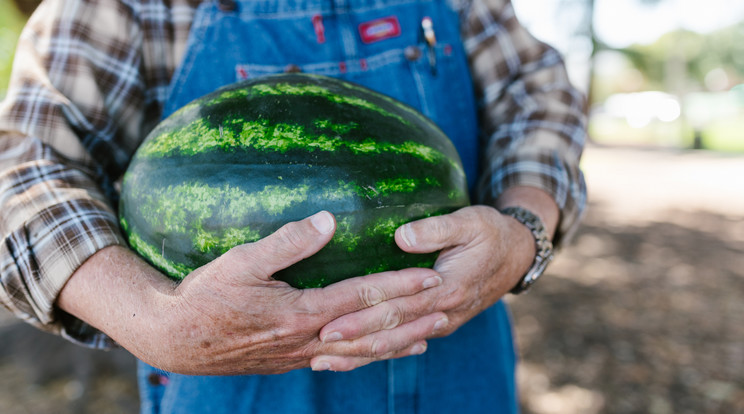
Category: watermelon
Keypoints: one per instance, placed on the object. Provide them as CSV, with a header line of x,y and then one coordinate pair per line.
x,y
235,165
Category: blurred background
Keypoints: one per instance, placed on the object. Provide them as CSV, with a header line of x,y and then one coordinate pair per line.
x,y
643,311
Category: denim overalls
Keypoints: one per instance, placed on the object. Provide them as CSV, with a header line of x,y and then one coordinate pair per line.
x,y
410,50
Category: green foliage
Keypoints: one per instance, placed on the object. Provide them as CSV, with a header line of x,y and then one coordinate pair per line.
x,y
11,23
701,70
697,53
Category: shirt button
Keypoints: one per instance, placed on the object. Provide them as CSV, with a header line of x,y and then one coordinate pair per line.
x,y
292,68
412,53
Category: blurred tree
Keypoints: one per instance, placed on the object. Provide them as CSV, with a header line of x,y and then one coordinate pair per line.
x,y
712,61
585,31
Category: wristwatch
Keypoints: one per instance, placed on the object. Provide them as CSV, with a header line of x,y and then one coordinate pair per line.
x,y
543,246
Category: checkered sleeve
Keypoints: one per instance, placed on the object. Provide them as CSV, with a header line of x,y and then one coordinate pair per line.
x,y
68,125
532,119
54,217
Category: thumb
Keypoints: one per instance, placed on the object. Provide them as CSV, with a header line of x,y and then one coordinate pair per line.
x,y
291,243
435,233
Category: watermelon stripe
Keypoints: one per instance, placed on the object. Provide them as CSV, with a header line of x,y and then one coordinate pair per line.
x,y
176,208
345,236
200,136
222,241
385,227
306,90
339,128
182,207
385,266
286,89
403,185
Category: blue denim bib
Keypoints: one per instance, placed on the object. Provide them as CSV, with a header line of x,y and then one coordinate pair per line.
x,y
376,43
381,44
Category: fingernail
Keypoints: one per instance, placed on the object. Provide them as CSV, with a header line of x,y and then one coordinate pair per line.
x,y
432,281
321,366
440,324
418,349
323,222
408,237
332,337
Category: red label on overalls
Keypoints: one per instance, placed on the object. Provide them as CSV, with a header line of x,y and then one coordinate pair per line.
x,y
379,29
319,28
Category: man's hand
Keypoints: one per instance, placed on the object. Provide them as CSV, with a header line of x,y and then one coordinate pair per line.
x,y
483,256
231,317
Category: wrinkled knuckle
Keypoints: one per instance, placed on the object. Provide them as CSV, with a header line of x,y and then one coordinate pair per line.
x,y
291,237
443,229
239,253
378,349
392,317
458,297
371,295
453,299
306,352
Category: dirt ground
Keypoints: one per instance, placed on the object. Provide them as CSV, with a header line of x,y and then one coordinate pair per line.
x,y
641,313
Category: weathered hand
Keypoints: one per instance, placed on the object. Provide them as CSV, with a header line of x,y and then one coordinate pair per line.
x,y
231,317
483,255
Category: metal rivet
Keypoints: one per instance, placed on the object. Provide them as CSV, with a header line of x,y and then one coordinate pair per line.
x,y
412,53
292,68
155,379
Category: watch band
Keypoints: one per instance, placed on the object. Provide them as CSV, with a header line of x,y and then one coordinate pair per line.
x,y
543,246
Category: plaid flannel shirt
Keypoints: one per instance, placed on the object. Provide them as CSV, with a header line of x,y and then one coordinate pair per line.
x,y
89,82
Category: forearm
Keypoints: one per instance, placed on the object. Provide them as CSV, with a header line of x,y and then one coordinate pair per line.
x,y
118,293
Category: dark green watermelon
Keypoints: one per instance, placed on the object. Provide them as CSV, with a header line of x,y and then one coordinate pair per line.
x,y
235,165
